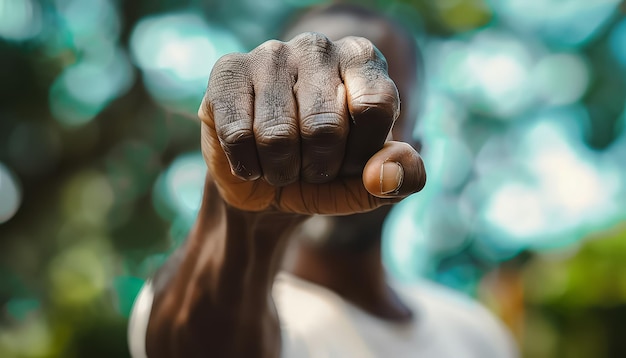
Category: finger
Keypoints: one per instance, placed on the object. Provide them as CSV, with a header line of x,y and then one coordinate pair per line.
x,y
393,173
323,114
372,100
275,125
397,171
229,105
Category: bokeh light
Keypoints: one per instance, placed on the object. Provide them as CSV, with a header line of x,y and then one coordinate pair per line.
x,y
176,53
85,88
178,190
21,309
448,161
490,71
560,78
10,194
98,70
570,23
126,289
617,41
31,339
87,198
89,20
525,182
80,274
20,19
405,250
441,116
523,133
559,190
462,15
614,157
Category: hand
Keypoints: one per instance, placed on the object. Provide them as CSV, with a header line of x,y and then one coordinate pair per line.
x,y
303,127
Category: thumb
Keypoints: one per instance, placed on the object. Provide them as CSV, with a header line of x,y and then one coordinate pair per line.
x,y
395,171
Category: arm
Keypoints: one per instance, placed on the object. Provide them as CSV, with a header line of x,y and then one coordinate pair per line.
x,y
220,290
290,129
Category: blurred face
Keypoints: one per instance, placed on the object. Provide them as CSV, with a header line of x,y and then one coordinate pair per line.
x,y
361,231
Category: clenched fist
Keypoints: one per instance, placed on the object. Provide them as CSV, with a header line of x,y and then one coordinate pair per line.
x,y
304,127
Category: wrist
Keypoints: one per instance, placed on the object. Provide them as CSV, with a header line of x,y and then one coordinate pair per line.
x,y
220,293
238,252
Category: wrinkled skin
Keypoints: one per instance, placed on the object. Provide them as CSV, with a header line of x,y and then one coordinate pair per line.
x,y
288,130
302,127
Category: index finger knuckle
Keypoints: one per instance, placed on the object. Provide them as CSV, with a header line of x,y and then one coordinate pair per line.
x,y
359,51
230,64
229,73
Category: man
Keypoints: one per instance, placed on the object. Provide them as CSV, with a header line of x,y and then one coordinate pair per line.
x,y
290,130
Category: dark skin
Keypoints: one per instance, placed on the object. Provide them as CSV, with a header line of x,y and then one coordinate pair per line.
x,y
288,130
357,274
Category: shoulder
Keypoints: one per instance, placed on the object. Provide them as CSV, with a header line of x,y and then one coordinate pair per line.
x,y
460,317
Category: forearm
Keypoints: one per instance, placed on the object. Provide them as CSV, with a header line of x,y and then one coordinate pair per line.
x,y
218,301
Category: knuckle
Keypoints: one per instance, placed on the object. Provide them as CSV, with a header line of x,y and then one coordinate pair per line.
x,y
232,134
312,41
270,61
377,105
230,63
269,48
313,48
358,51
324,126
359,43
281,137
360,46
383,97
229,74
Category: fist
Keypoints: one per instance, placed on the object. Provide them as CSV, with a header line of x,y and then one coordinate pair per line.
x,y
304,127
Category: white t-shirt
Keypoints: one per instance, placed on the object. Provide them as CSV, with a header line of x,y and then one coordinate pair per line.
x,y
317,323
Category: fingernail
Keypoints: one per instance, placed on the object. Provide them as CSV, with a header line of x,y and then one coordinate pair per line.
x,y
391,177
